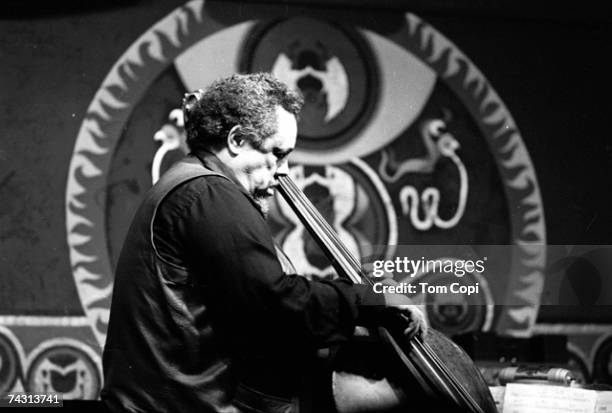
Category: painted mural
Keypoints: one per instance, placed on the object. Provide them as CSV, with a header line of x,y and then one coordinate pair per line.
x,y
372,101
402,141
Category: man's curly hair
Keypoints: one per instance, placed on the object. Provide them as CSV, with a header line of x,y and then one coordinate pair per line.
x,y
248,101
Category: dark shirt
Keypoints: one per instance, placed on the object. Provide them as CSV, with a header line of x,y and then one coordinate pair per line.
x,y
265,322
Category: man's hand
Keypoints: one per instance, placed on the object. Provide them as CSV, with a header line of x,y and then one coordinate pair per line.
x,y
417,320
414,314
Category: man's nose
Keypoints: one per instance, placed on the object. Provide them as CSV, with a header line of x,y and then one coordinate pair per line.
x,y
283,168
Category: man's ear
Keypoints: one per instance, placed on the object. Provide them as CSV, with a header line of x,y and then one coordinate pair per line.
x,y
235,142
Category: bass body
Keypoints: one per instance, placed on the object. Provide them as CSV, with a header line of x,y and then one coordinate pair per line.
x,y
368,376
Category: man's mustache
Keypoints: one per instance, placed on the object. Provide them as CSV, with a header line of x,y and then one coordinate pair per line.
x,y
264,192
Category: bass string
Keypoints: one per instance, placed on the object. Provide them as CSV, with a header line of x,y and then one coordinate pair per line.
x,y
458,389
322,223
321,230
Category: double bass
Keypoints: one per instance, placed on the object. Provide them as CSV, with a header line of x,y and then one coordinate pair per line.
x,y
433,370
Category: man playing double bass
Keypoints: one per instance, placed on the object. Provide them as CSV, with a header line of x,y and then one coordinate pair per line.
x,y
207,315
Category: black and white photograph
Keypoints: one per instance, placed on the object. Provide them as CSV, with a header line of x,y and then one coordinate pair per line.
x,y
306,206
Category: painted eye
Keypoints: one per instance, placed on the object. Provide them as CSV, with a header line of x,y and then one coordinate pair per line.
x,y
196,71
354,106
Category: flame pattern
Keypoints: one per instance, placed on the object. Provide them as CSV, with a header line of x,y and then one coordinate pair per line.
x,y
515,168
133,73
97,137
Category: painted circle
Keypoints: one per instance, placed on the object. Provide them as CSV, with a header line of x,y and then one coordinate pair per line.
x,y
333,67
454,313
578,367
9,365
66,370
602,365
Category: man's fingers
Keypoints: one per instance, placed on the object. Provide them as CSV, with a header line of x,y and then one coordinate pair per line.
x,y
418,322
411,331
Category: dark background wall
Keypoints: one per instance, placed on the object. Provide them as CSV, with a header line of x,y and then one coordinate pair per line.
x,y
551,74
53,65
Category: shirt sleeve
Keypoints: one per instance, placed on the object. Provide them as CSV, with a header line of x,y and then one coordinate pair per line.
x,y
251,299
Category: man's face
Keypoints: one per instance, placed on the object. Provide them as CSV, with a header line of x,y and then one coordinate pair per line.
x,y
257,166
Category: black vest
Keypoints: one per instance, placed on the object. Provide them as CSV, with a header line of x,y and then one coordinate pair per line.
x,y
161,353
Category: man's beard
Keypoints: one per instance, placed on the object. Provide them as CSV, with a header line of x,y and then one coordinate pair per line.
x,y
263,201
